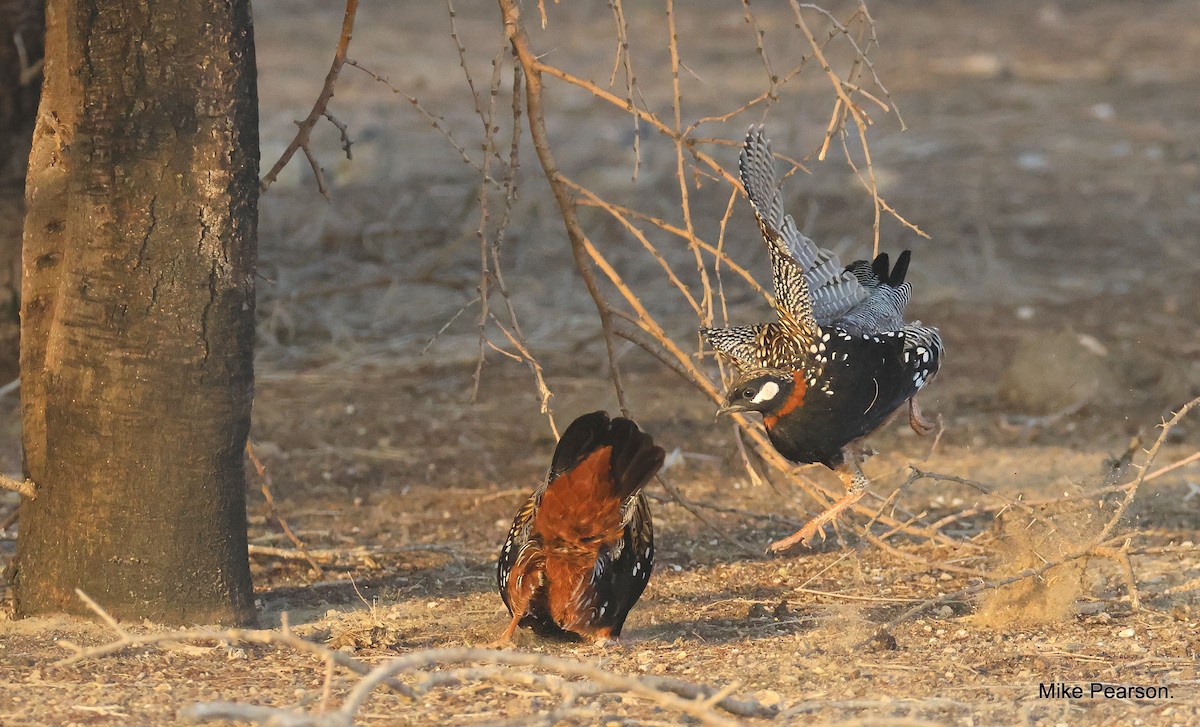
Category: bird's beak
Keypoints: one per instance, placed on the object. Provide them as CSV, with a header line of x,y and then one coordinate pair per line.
x,y
729,409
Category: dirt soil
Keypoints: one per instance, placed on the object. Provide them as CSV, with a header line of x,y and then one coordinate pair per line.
x,y
1052,153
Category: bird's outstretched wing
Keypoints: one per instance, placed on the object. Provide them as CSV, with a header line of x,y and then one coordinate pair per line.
x,y
742,344
810,283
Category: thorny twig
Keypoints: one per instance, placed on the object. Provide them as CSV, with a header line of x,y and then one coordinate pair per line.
x,y
264,479
438,122
515,32
645,331
1166,426
301,141
1194,456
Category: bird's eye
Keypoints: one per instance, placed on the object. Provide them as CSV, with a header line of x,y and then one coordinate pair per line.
x,y
749,392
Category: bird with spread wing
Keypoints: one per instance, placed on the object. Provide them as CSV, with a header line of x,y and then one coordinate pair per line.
x,y
839,358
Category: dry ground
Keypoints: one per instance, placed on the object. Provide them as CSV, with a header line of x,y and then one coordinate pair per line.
x,y
1052,154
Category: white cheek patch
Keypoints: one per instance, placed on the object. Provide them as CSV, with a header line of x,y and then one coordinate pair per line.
x,y
766,393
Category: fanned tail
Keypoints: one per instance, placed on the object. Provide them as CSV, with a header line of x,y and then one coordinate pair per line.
x,y
598,467
580,439
634,460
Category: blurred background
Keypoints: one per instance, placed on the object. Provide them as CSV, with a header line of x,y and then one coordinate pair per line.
x,y
1050,150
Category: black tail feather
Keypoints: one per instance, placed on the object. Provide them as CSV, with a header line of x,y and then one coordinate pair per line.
x,y
899,270
880,266
634,460
581,438
881,271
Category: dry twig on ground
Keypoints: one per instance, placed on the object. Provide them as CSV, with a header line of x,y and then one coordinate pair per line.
x,y
264,479
539,671
283,637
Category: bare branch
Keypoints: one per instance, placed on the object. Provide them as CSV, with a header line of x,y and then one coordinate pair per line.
x,y
515,32
264,480
304,132
438,122
25,488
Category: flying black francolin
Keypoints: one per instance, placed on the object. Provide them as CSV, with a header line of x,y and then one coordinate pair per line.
x,y
839,359
580,550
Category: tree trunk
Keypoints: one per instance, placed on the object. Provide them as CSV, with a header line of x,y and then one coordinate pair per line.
x,y
20,54
138,312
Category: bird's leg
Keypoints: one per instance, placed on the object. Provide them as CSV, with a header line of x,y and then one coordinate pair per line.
x,y
917,420
506,637
856,485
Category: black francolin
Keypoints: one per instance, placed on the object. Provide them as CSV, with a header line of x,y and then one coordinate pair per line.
x,y
580,550
838,361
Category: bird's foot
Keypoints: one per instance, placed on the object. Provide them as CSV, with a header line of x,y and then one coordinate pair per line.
x,y
922,426
804,536
856,485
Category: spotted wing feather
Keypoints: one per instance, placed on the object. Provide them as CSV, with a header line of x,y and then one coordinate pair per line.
x,y
742,344
828,289
516,545
922,353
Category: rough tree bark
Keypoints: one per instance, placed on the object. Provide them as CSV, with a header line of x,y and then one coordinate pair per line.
x,y
20,55
138,312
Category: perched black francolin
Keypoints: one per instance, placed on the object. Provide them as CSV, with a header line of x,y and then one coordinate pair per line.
x,y
580,550
839,359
